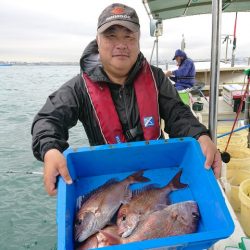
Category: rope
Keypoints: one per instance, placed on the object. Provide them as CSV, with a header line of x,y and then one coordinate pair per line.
x,y
236,130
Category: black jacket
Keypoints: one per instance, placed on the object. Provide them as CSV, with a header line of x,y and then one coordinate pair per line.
x,y
71,103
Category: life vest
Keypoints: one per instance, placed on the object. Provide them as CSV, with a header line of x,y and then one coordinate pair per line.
x,y
147,100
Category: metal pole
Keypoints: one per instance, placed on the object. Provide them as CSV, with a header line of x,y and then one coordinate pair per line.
x,y
215,67
233,58
152,52
156,41
226,49
183,43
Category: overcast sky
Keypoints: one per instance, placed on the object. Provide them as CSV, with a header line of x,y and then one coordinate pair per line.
x,y
59,30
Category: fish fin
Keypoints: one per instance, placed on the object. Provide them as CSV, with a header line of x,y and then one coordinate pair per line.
x,y
79,202
182,220
160,207
175,183
129,231
91,242
110,182
111,238
144,189
99,189
138,177
127,196
89,218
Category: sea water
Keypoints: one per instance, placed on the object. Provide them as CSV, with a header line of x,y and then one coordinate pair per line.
x,y
27,213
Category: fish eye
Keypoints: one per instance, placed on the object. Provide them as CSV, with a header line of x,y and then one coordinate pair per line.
x,y
196,216
78,222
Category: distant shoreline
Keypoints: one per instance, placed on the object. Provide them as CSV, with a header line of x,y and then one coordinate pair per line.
x,y
244,60
2,64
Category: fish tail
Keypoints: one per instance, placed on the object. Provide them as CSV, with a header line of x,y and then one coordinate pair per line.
x,y
175,183
138,177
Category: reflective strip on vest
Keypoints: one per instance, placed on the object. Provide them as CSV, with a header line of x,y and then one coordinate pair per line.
x,y
147,100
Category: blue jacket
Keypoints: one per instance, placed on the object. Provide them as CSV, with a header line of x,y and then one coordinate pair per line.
x,y
184,76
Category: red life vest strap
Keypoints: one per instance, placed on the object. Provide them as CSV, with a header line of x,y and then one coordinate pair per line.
x,y
105,111
147,98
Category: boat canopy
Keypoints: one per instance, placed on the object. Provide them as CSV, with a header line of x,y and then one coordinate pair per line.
x,y
167,9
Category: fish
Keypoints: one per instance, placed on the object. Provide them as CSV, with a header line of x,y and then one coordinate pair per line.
x,y
145,200
101,204
176,219
99,239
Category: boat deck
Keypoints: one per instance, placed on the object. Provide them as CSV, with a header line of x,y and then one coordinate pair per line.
x,y
225,111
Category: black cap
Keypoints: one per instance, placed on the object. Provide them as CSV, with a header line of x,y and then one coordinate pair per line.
x,y
118,14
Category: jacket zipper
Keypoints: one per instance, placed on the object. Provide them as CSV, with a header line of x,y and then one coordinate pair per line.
x,y
123,96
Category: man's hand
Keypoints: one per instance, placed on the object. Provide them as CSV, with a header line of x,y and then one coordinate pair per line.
x,y
212,154
54,165
168,73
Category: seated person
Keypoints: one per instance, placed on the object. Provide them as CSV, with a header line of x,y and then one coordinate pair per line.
x,y
184,76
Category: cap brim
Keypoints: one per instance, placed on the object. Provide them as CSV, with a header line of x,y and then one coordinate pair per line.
x,y
174,58
129,25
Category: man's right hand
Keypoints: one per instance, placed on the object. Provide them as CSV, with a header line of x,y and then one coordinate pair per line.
x,y
54,165
168,73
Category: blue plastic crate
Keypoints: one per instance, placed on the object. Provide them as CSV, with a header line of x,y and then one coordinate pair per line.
x,y
90,167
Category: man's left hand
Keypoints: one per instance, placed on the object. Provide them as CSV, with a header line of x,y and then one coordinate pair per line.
x,y
212,154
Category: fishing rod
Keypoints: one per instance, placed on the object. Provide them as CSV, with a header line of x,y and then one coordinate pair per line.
x,y
21,172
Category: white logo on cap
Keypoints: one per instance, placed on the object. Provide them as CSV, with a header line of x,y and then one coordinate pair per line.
x,y
118,16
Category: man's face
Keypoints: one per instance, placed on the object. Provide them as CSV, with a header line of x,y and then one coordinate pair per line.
x,y
118,49
178,60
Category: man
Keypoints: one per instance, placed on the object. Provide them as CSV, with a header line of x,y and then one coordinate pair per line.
x,y
118,97
184,76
